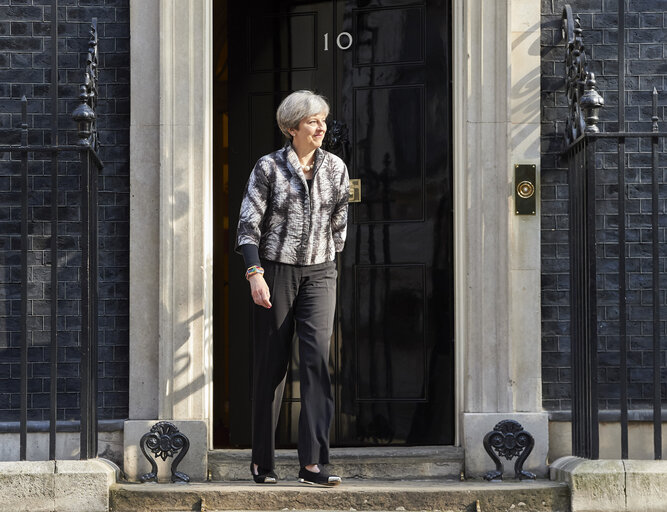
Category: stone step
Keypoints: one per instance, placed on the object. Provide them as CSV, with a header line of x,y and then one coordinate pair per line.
x,y
352,495
385,463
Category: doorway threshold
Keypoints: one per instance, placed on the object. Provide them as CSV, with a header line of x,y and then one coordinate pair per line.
x,y
384,463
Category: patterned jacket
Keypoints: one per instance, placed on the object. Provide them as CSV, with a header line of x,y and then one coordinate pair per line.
x,y
288,222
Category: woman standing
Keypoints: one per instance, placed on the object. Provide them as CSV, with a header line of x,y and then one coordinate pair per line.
x,y
293,220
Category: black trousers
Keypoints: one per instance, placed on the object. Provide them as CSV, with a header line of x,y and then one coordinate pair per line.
x,y
302,298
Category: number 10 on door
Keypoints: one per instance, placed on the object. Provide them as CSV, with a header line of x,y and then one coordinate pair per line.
x,y
343,41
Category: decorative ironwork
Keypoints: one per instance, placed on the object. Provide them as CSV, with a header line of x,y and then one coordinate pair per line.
x,y
583,98
84,114
165,440
509,440
90,165
591,103
336,139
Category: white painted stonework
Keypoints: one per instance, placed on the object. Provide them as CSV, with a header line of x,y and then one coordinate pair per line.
x,y
497,82
144,208
194,464
613,485
497,256
56,486
477,425
640,439
109,446
186,224
171,214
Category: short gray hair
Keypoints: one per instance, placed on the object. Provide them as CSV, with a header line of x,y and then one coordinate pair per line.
x,y
296,107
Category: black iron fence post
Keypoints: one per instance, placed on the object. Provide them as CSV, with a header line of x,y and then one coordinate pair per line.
x,y
581,179
590,348
655,211
89,339
88,366
85,117
584,103
53,391
622,308
24,279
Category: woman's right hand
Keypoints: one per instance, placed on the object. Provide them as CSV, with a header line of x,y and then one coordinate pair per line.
x,y
260,291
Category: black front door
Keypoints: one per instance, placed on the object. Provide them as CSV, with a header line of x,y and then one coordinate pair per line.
x,y
385,67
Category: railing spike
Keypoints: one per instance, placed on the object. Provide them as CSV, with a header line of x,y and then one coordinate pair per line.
x,y
24,121
654,117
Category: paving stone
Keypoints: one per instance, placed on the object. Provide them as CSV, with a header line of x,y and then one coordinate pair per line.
x,y
352,494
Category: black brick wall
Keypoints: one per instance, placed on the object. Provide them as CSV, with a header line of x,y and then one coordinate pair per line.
x,y
646,24
25,69
25,63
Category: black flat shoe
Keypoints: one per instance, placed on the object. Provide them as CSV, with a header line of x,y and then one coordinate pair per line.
x,y
321,478
263,476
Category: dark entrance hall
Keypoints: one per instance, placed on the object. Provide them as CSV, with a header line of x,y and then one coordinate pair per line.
x,y
385,67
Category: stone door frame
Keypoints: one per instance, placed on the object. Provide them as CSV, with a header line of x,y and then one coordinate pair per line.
x,y
496,95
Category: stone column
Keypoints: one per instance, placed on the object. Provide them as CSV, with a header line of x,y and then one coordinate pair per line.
x,y
171,255
497,85
185,209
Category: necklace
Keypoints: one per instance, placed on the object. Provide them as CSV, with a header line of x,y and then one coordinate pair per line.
x,y
307,168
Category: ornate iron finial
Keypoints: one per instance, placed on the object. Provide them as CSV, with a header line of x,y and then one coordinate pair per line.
x,y
164,440
590,103
509,440
84,114
579,82
654,117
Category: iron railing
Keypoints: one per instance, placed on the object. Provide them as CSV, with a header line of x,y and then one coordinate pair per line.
x,y
582,140
90,164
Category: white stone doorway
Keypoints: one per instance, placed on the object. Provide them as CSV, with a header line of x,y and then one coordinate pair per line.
x,y
496,123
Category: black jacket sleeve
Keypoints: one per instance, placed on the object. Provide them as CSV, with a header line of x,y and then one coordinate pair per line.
x,y
250,255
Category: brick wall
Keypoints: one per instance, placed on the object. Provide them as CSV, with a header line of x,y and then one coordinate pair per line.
x,y
25,50
646,25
